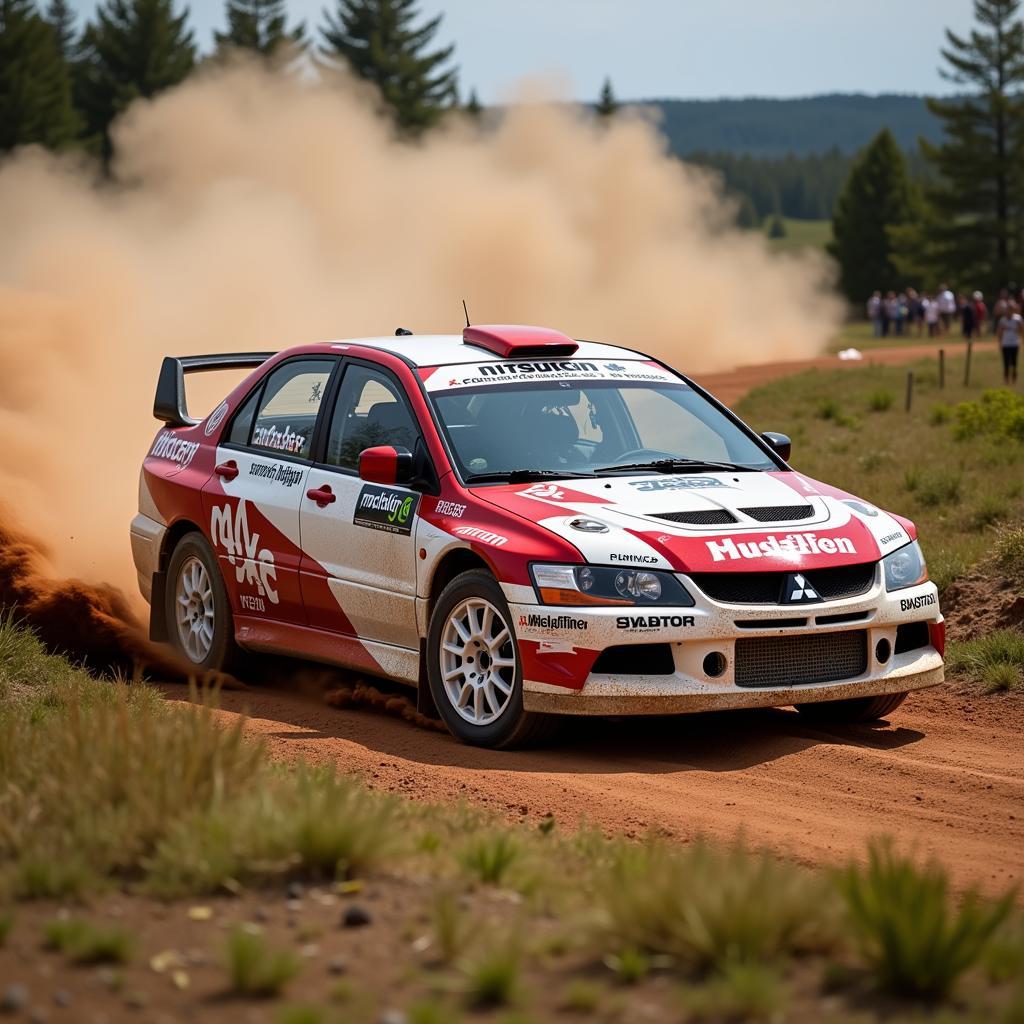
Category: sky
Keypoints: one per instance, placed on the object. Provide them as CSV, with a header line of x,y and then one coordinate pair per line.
x,y
655,49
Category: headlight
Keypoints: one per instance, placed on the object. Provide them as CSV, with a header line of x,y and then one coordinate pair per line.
x,y
592,584
905,567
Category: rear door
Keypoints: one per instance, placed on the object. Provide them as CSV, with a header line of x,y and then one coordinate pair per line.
x,y
252,501
359,569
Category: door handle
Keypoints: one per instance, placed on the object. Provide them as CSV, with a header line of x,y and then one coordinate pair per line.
x,y
228,470
323,496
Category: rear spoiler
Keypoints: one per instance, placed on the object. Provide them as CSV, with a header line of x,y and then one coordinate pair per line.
x,y
169,404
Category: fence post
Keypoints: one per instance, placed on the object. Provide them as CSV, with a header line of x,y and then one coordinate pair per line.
x,y
967,364
910,389
942,367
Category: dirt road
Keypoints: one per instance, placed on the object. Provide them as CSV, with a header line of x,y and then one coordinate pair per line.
x,y
946,773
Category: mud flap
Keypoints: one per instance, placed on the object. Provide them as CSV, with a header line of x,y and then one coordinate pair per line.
x,y
424,698
157,608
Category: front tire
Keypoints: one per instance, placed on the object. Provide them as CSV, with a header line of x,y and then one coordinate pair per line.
x,y
859,709
474,668
199,621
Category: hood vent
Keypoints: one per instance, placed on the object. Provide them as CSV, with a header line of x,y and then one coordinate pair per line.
x,y
699,517
779,513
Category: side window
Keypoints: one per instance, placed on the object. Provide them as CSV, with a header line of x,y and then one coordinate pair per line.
x,y
370,411
241,427
289,405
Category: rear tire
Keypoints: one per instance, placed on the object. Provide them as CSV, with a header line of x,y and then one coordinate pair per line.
x,y
474,668
200,625
860,709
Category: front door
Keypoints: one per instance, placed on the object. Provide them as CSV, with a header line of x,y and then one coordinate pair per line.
x,y
252,501
359,569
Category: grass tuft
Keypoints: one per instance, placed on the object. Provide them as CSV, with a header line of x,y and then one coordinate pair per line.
x,y
996,659
493,976
6,924
991,509
912,938
581,996
739,992
1009,551
488,856
940,487
880,401
630,966
86,943
255,968
300,1015
709,908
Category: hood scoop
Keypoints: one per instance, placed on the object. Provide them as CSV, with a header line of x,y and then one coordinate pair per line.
x,y
697,517
779,513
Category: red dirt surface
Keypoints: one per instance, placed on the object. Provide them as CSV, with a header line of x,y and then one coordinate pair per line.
x,y
944,774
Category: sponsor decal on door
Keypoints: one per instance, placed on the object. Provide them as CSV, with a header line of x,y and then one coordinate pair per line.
x,y
254,566
384,508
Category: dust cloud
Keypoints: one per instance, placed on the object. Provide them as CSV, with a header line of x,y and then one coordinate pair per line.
x,y
255,209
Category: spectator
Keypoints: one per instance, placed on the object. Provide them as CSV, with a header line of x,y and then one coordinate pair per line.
x,y
875,313
999,309
947,307
931,315
1010,328
888,313
968,322
980,313
915,311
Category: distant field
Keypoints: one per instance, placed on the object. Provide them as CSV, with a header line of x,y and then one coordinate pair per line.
x,y
801,234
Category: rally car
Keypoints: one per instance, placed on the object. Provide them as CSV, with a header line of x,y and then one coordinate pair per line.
x,y
522,526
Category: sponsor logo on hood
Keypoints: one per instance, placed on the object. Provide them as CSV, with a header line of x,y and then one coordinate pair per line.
x,y
791,544
678,483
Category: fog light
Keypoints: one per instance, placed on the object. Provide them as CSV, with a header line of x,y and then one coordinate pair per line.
x,y
883,649
714,664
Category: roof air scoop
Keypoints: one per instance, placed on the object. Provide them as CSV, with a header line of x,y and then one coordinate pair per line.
x,y
509,341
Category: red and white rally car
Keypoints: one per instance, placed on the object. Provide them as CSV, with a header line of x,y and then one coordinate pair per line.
x,y
521,525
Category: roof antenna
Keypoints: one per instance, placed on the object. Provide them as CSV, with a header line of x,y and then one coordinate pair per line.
x,y
466,311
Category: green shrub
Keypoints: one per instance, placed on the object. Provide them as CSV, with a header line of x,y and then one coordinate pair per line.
x,y
880,401
910,935
1004,957
939,415
941,487
1009,551
708,907
990,510
998,414
739,992
911,478
1000,678
86,943
256,969
829,409
996,658
489,855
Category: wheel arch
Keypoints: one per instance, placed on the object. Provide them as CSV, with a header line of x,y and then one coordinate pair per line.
x,y
158,595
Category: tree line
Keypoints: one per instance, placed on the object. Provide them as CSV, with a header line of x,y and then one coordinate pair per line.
x,y
962,219
62,87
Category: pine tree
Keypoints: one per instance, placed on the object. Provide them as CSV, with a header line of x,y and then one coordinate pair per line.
x,y
607,104
974,209
875,199
62,21
133,48
380,43
35,89
259,25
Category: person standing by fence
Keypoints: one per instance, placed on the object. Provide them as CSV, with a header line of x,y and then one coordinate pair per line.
x,y
1009,331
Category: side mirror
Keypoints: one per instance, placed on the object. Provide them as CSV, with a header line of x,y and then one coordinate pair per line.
x,y
385,465
779,443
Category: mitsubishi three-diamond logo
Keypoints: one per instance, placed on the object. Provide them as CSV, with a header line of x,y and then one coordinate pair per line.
x,y
797,589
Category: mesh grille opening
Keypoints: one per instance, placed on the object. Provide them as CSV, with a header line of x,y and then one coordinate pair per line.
x,y
911,635
779,661
779,513
766,587
699,517
636,660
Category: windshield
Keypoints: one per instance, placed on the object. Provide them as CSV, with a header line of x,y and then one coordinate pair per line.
x,y
571,426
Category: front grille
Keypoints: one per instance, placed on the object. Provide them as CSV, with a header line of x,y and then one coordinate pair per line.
x,y
779,513
779,661
766,587
700,517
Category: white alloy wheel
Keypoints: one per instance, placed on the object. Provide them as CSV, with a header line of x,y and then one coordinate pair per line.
x,y
194,609
477,661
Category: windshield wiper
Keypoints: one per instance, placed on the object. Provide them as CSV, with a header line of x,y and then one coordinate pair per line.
x,y
522,476
676,466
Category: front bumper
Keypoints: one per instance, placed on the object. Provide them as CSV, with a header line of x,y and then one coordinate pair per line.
x,y
560,647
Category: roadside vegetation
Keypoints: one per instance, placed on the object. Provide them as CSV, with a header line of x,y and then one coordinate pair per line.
x,y
156,857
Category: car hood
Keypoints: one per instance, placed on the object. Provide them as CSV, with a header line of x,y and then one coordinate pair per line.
x,y
700,522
